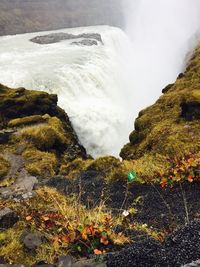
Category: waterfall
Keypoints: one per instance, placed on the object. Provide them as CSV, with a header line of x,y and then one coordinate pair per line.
x,y
91,82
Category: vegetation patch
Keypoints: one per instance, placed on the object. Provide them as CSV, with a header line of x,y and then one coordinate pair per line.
x,y
40,163
46,135
26,121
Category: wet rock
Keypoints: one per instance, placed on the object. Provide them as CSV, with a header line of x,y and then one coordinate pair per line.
x,y
8,218
64,261
61,36
85,42
32,240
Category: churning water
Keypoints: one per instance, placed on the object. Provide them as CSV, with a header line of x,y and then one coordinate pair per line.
x,y
91,82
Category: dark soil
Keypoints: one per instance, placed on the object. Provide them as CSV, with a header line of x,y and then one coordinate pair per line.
x,y
180,248
157,207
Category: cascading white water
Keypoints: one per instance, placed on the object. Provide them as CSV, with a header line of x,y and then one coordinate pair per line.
x,y
91,82
103,87
162,33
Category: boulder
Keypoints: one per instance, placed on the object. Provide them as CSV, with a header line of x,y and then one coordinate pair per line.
x,y
8,218
32,240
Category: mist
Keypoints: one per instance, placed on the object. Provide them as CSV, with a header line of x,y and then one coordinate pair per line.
x,y
162,32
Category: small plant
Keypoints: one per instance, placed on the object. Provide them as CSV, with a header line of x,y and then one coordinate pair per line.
x,y
82,237
185,170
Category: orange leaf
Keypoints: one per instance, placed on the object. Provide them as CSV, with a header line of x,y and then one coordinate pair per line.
x,y
65,239
97,252
190,178
163,183
45,218
104,240
29,218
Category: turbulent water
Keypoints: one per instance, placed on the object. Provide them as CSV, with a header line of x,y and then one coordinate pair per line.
x,y
91,82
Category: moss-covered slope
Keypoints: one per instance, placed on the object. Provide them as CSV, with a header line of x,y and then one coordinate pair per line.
x,y
171,126
33,127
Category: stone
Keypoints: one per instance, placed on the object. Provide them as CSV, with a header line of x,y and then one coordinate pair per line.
x,y
61,36
64,261
32,240
25,182
8,218
5,135
85,42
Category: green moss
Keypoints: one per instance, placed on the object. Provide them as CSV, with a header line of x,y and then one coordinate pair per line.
x,y
46,135
39,163
74,168
104,164
12,248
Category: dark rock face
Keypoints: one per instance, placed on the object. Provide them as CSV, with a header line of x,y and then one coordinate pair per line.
x,y
31,16
58,37
7,218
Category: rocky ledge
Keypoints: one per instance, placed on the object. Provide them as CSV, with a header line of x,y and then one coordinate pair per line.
x,y
88,38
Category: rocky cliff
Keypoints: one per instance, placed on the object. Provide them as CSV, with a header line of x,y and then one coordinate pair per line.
x,y
32,15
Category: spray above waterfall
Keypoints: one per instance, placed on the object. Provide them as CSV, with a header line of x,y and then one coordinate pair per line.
x,y
162,33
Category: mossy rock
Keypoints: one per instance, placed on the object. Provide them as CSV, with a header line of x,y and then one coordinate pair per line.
x,y
19,122
38,121
171,126
73,169
38,163
104,164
